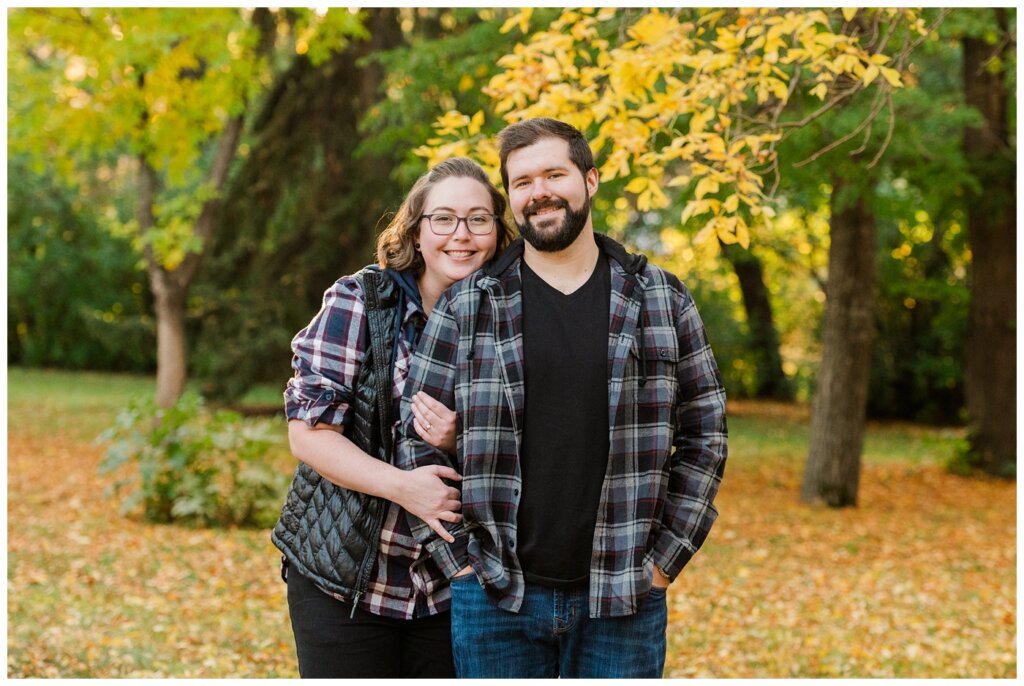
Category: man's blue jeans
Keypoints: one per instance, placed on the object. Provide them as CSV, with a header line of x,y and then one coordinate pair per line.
x,y
552,635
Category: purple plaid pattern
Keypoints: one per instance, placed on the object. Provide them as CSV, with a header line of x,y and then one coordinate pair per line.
x,y
667,434
328,354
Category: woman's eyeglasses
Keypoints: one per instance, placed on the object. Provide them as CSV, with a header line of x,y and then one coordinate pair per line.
x,y
445,223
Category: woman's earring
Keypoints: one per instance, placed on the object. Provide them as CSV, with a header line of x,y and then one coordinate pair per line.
x,y
416,245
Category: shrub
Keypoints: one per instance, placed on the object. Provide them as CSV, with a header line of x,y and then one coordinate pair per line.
x,y
193,465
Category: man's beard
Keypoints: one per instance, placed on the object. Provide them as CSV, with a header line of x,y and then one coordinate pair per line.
x,y
554,239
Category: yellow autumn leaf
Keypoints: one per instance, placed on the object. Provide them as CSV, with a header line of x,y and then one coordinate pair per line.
x,y
742,234
697,123
821,90
849,13
680,180
637,185
725,227
892,76
643,202
731,203
707,232
694,208
652,28
521,18
869,74
705,186
524,19
779,89
476,123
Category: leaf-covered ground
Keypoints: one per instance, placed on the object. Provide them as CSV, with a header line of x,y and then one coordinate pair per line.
x,y
918,581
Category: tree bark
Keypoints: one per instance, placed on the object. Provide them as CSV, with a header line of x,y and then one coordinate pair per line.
x,y
168,300
832,473
171,356
991,363
769,379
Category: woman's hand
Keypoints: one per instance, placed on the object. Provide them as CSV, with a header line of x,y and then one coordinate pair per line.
x,y
434,422
423,493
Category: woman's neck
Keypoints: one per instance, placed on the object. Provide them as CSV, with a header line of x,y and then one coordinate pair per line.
x,y
430,290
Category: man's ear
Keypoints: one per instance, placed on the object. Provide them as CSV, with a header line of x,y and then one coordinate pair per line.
x,y
592,179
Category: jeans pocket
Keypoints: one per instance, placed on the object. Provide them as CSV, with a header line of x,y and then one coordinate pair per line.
x,y
461,580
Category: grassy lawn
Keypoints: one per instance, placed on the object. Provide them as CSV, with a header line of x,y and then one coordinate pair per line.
x,y
918,581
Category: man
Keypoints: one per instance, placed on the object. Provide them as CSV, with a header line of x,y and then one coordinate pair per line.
x,y
592,440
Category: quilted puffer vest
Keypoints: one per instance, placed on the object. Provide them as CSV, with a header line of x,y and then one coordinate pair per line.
x,y
327,533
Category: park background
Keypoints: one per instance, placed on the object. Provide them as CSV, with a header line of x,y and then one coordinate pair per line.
x,y
184,184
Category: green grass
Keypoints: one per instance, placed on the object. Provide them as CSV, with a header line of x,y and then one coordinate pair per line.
x,y
786,437
83,404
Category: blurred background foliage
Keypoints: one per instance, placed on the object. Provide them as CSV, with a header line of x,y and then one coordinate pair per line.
x,y
326,153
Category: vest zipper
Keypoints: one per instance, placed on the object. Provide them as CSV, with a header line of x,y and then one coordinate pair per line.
x,y
364,570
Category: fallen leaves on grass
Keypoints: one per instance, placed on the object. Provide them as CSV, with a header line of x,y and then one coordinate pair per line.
x,y
919,581
91,593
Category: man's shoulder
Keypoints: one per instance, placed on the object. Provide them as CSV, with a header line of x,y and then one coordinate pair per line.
x,y
660,279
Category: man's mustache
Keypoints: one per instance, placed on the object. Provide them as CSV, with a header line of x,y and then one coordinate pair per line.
x,y
536,207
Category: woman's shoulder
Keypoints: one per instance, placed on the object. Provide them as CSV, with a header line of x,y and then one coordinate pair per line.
x,y
350,286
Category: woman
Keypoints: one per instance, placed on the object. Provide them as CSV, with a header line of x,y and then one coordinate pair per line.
x,y
359,607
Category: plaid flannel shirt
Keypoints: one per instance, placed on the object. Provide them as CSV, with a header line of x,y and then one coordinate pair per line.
x,y
328,355
667,429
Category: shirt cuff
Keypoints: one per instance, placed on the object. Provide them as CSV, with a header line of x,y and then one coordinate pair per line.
x,y
450,558
671,554
316,406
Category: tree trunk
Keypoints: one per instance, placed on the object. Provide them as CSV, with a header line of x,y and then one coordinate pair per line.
x,y
168,301
171,366
769,380
832,474
991,364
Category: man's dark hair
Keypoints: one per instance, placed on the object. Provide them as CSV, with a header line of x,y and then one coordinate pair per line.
x,y
526,133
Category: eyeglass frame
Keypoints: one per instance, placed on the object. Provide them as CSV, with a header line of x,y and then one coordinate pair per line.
x,y
458,220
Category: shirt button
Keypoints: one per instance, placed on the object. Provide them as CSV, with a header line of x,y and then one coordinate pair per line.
x,y
663,353
512,544
515,491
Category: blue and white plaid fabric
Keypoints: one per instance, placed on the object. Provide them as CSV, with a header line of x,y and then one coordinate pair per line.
x,y
666,413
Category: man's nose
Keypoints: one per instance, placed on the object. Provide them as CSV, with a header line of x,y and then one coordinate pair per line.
x,y
539,190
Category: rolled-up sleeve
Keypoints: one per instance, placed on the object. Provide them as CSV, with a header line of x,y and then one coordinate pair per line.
x,y
328,354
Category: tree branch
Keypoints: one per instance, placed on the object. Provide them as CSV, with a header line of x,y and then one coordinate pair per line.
x,y
843,139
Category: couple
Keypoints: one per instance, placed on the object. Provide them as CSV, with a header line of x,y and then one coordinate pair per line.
x,y
574,479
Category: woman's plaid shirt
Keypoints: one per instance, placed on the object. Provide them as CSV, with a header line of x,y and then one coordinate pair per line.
x,y
328,355
667,429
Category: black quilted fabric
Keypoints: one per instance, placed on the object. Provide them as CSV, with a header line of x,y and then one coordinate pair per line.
x,y
330,534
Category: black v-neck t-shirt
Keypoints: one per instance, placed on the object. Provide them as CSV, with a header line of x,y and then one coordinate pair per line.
x,y
565,432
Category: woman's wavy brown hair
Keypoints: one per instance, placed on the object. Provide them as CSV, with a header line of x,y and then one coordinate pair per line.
x,y
396,245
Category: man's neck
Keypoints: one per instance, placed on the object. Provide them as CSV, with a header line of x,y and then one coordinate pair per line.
x,y
568,269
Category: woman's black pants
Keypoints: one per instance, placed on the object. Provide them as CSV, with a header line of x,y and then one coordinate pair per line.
x,y
332,644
